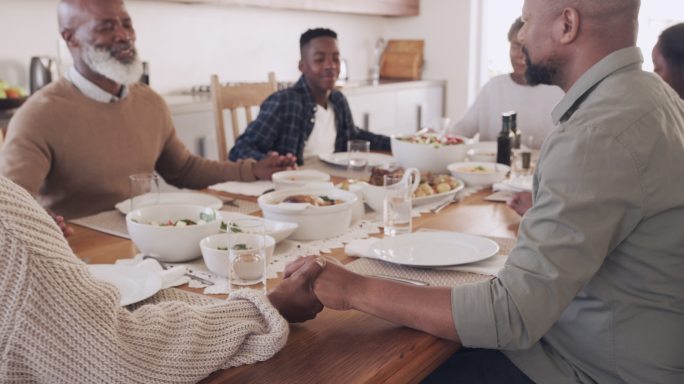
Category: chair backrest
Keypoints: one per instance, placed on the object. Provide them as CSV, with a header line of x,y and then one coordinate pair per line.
x,y
236,97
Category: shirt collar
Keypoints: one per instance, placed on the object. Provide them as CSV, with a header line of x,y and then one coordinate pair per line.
x,y
92,91
610,64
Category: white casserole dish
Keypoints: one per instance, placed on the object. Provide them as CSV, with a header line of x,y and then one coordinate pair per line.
x,y
314,223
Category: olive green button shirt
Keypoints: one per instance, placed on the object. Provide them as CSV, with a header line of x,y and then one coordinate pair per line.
x,y
594,289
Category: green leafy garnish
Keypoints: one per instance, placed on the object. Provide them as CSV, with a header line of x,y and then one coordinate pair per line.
x,y
327,199
240,247
208,216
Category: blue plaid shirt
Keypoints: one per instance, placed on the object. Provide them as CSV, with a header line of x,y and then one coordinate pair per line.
x,y
286,119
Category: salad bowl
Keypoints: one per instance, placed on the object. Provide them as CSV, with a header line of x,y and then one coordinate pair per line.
x,y
428,152
171,233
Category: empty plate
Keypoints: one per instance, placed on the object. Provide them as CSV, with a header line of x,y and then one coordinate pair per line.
x,y
434,249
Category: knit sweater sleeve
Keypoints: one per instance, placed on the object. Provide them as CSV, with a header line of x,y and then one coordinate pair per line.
x,y
59,324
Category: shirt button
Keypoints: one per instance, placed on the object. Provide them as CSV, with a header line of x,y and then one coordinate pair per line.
x,y
313,120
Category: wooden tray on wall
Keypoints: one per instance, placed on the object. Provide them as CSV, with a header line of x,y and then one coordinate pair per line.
x,y
402,59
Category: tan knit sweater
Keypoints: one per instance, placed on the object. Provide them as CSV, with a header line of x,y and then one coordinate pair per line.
x,y
59,325
75,154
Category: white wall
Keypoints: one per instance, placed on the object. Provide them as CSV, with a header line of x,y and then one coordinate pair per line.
x,y
186,43
445,27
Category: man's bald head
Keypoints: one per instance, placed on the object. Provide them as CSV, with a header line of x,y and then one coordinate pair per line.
x,y
563,38
73,13
611,21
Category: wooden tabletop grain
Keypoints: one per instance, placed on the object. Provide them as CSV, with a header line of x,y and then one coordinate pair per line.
x,y
344,347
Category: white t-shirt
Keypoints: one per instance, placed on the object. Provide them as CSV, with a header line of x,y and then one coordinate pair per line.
x,y
501,94
322,138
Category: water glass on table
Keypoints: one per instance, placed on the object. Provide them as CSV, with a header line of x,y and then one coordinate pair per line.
x,y
396,206
357,150
247,255
144,189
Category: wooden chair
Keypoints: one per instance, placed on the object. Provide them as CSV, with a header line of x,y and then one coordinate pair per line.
x,y
235,97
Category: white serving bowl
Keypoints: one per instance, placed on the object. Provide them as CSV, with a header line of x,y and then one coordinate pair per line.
x,y
426,157
374,195
315,223
484,151
493,173
216,259
298,178
170,244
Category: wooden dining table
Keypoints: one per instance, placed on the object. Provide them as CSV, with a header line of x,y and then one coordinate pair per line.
x,y
343,346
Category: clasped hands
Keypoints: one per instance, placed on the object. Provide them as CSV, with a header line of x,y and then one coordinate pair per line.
x,y
310,283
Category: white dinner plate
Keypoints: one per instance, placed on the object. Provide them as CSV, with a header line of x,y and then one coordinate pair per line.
x,y
134,284
171,198
521,183
279,230
434,249
416,201
341,159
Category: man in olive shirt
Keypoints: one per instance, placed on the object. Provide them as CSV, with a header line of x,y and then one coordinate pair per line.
x,y
594,289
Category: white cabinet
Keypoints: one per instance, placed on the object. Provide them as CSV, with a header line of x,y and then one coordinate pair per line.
x,y
374,111
400,107
196,131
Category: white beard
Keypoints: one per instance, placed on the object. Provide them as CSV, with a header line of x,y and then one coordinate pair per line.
x,y
102,62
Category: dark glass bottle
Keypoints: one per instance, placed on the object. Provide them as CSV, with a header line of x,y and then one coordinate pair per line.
x,y
503,142
516,135
145,78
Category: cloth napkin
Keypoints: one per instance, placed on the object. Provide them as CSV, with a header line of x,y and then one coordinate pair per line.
x,y
490,266
516,184
255,188
172,277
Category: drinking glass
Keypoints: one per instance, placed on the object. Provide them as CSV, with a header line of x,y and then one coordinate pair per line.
x,y
144,189
246,255
396,205
357,150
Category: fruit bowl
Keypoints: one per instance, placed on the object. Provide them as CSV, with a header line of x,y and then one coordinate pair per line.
x,y
6,104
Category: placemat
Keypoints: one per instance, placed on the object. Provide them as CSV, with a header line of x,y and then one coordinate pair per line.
x,y
435,277
254,188
114,222
244,206
111,222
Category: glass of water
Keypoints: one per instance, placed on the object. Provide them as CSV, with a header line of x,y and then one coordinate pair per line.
x,y
247,255
357,150
396,206
144,189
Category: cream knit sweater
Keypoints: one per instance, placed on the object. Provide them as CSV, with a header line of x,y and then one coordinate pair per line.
x,y
59,325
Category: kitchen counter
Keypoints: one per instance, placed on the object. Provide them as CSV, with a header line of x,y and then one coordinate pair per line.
x,y
182,103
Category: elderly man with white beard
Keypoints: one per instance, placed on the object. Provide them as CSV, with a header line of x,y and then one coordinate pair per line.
x,y
75,142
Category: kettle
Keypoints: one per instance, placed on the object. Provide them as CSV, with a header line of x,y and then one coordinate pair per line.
x,y
41,72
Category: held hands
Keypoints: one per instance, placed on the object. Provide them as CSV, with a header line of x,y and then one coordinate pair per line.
x,y
61,223
273,162
333,284
521,202
294,297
